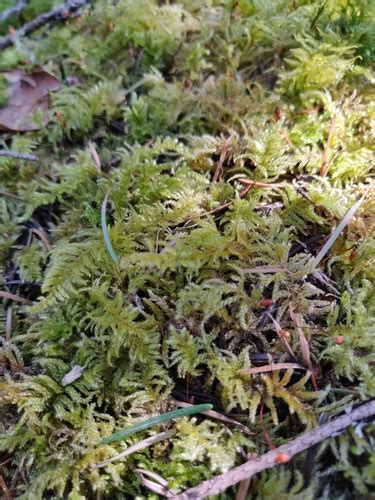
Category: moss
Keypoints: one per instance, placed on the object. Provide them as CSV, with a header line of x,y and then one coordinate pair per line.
x,y
175,96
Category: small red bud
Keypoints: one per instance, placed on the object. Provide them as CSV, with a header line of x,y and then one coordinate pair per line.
x,y
278,113
284,334
282,458
339,339
266,302
353,254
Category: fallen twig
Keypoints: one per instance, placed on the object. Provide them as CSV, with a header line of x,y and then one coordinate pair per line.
x,y
220,483
271,368
159,485
16,9
249,182
7,494
19,156
139,446
10,195
62,11
223,155
8,324
15,298
219,416
43,237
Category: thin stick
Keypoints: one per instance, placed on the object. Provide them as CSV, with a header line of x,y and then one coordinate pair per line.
x,y
327,149
286,138
139,446
10,195
16,9
62,11
19,156
249,182
16,298
223,155
219,416
8,324
7,494
243,488
43,237
220,483
271,368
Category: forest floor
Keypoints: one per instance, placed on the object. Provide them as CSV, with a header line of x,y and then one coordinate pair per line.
x,y
187,251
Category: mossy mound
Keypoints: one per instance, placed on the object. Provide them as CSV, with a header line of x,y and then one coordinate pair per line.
x,y
197,157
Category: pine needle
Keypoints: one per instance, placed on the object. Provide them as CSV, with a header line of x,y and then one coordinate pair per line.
x,y
336,233
106,237
150,422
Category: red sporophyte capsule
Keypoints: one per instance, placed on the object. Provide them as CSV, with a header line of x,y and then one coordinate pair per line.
x,y
353,254
284,334
283,458
278,113
339,339
266,302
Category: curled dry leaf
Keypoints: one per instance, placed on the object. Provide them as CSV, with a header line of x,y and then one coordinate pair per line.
x,y
28,96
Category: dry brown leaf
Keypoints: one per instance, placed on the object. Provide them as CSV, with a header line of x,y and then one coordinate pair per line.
x,y
28,95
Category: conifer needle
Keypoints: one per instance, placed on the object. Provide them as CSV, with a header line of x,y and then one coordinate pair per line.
x,y
150,422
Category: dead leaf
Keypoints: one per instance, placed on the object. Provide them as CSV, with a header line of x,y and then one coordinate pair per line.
x,y
28,96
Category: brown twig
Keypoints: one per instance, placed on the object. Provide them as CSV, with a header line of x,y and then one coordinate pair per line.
x,y
327,149
19,156
15,298
220,483
267,437
7,494
223,155
43,237
10,195
251,183
139,446
286,138
271,368
8,324
243,488
16,9
219,416
62,11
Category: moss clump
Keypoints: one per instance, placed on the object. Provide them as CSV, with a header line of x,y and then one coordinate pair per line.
x,y
181,100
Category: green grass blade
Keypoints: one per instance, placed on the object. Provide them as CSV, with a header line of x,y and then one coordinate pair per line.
x,y
107,240
150,422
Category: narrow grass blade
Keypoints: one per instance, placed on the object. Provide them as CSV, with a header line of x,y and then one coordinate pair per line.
x,y
107,240
336,233
150,422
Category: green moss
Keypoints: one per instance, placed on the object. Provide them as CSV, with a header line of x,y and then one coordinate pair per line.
x,y
167,92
